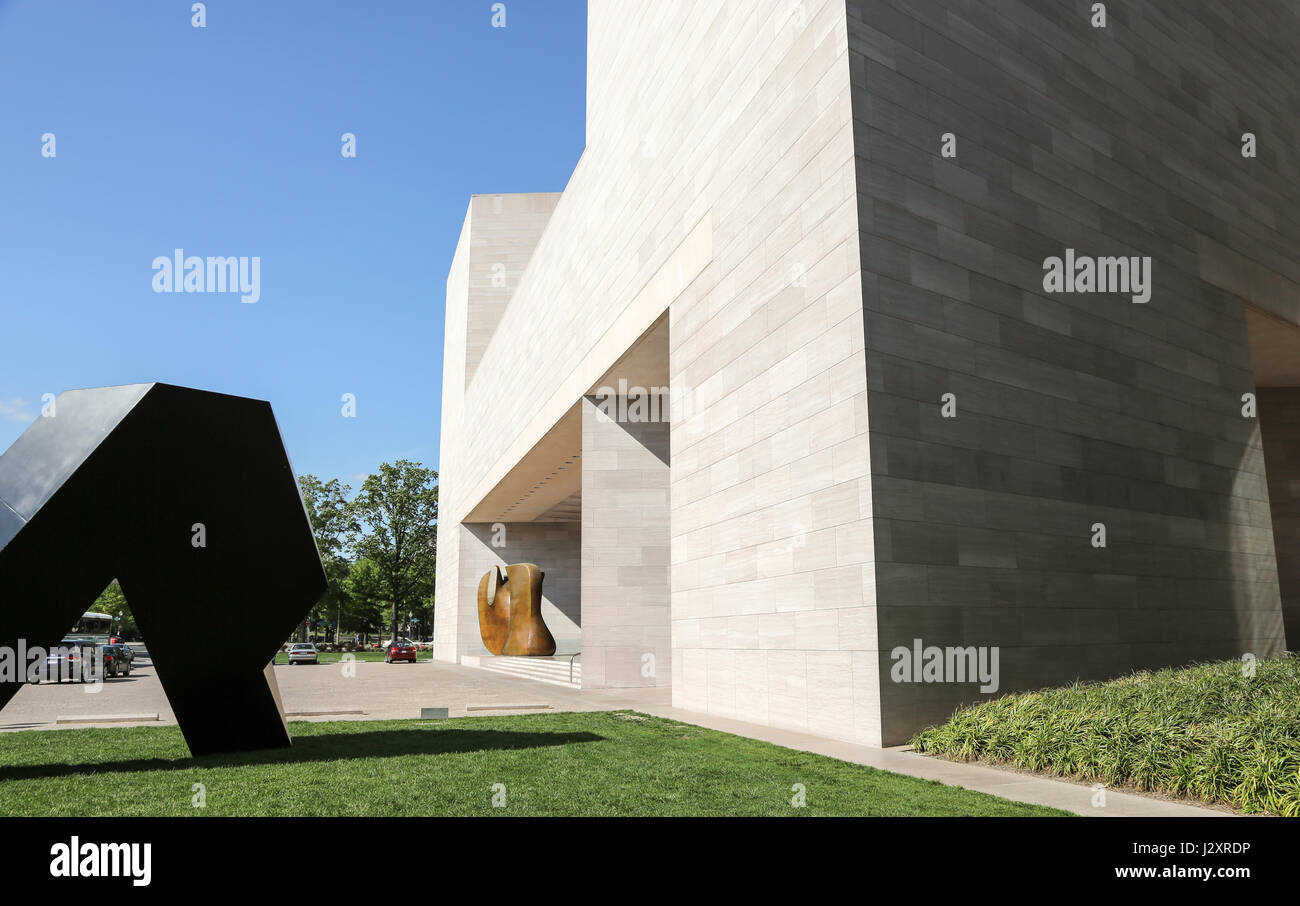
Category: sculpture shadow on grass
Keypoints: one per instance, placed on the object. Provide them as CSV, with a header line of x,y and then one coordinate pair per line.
x,y
325,747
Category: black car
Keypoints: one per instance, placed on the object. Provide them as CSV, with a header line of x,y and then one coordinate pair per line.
x,y
117,662
128,653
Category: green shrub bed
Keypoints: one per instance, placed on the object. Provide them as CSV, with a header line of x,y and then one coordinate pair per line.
x,y
1209,731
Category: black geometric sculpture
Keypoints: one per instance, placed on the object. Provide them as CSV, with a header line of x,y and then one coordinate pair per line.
x,y
125,482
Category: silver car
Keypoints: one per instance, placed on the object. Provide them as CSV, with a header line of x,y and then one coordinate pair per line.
x,y
302,653
71,661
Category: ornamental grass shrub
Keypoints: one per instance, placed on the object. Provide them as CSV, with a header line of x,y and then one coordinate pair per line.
x,y
1210,731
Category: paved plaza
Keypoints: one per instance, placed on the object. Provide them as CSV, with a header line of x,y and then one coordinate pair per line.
x,y
364,691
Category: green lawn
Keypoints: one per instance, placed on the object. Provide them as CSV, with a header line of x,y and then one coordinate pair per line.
x,y
1211,731
605,763
333,657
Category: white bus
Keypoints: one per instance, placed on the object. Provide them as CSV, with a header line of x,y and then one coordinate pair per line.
x,y
93,626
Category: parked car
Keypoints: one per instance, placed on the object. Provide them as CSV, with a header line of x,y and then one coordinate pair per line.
x,y
127,653
401,650
303,653
65,662
116,663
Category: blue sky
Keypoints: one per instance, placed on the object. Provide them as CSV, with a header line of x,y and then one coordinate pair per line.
x,y
225,141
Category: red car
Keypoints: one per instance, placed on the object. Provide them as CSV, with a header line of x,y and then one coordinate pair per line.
x,y
400,651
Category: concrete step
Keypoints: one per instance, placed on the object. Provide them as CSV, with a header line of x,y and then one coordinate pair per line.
x,y
103,718
535,672
539,669
532,664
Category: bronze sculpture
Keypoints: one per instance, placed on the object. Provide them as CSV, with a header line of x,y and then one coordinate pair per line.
x,y
510,612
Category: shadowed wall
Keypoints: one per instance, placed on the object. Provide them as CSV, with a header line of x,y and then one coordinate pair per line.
x,y
1072,409
1279,423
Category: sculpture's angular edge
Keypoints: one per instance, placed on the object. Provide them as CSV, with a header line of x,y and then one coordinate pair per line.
x,y
188,499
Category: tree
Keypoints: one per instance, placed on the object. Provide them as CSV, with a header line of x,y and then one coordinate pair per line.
x,y
423,610
112,602
366,596
335,528
399,507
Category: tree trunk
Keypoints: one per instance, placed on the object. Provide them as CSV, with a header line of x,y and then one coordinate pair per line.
x,y
395,582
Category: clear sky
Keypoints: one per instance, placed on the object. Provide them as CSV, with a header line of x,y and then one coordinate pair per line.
x,y
226,141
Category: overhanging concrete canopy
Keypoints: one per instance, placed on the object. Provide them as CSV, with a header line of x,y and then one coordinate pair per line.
x,y
548,474
551,473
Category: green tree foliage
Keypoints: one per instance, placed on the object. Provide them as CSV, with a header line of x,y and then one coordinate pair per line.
x,y
397,509
378,549
112,602
335,529
367,603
